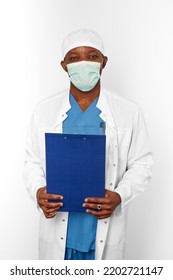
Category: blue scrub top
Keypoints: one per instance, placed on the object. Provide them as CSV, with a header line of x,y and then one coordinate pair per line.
x,y
81,231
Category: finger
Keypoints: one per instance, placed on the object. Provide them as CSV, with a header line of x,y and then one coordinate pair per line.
x,y
56,207
50,215
47,204
104,206
47,196
90,205
97,200
52,210
99,214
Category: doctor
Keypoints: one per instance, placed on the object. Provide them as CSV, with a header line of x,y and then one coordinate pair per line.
x,y
84,108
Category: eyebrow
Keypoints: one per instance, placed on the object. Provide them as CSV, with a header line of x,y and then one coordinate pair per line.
x,y
93,50
70,52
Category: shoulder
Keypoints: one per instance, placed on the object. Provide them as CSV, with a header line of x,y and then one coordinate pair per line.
x,y
52,101
120,104
124,111
115,98
49,109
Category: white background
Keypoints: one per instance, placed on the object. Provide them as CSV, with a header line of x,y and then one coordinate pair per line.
x,y
139,44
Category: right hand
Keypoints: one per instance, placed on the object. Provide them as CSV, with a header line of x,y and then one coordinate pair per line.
x,y
49,208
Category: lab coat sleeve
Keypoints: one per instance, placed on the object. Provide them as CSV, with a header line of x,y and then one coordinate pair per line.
x,y
139,163
34,175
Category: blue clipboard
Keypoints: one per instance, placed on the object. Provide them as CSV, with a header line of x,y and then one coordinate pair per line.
x,y
75,168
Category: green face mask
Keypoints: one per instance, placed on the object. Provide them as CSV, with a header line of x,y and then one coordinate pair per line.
x,y
84,75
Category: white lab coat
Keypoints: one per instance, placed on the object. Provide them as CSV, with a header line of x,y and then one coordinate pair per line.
x,y
128,169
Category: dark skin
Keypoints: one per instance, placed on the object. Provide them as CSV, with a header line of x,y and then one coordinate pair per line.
x,y
111,199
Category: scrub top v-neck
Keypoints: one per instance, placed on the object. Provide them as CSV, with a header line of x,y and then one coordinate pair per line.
x,y
82,227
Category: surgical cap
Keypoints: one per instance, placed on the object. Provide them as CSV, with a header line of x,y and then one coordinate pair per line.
x,y
82,37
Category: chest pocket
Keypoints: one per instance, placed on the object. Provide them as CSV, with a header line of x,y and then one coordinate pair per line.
x,y
124,139
41,137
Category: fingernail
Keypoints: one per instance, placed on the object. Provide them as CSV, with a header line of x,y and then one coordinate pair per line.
x,y
86,200
83,205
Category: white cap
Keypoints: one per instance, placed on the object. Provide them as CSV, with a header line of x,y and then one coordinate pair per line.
x,y
82,37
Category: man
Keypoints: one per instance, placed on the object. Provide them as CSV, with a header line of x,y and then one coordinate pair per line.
x,y
81,109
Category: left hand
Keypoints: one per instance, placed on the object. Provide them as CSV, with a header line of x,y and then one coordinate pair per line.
x,y
107,204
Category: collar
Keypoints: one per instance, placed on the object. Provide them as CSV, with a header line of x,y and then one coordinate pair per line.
x,y
102,104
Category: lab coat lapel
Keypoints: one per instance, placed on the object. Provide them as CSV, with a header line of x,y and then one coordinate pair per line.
x,y
105,114
62,115
111,139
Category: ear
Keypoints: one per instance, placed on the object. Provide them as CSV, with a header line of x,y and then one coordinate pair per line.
x,y
64,65
105,59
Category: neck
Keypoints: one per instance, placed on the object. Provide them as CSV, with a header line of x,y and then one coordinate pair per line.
x,y
84,99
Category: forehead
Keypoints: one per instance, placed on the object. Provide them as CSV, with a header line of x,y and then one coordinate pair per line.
x,y
83,50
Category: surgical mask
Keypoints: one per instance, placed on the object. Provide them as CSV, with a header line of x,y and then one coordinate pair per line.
x,y
84,75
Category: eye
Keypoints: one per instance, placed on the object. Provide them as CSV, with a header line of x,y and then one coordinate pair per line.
x,y
74,57
93,56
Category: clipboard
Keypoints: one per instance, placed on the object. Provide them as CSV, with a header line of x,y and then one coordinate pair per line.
x,y
75,168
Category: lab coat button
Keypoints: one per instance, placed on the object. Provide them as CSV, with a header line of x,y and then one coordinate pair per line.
x,y
63,220
111,184
101,241
62,238
114,164
105,222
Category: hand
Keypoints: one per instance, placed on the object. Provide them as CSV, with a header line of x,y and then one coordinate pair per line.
x,y
107,204
49,208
